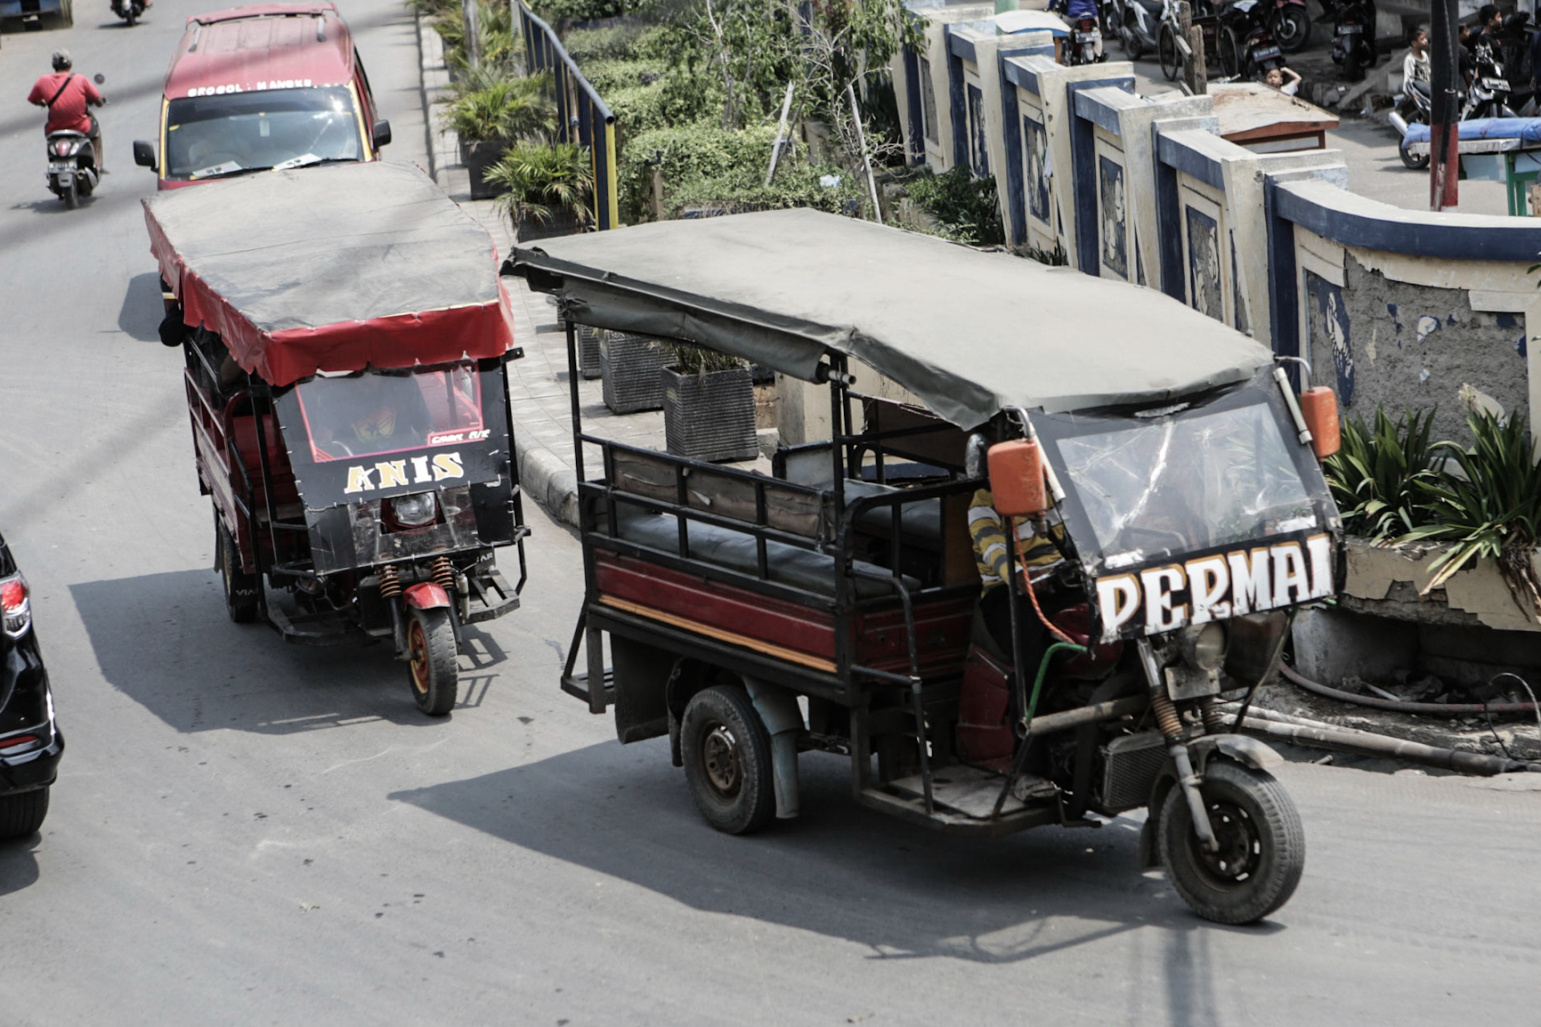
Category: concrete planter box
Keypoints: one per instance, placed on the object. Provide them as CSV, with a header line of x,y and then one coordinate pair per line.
x,y
1468,631
629,366
710,416
478,157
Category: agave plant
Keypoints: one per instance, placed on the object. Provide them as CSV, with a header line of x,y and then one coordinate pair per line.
x,y
503,110
544,180
1376,473
688,358
1489,505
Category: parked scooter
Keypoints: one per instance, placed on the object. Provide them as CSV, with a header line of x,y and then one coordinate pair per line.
x,y
1136,23
1257,52
1353,37
129,10
1488,96
72,163
1289,23
1084,44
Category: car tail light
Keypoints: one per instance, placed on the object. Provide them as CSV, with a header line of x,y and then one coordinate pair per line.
x,y
17,741
15,609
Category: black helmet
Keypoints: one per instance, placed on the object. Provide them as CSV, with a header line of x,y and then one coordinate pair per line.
x,y
61,59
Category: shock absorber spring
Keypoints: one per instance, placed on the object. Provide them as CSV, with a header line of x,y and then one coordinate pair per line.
x,y
1166,715
444,573
390,581
1214,720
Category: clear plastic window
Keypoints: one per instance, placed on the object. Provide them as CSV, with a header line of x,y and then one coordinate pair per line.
x,y
367,414
1188,483
214,136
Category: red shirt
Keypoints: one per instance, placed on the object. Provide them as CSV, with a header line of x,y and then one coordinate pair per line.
x,y
68,112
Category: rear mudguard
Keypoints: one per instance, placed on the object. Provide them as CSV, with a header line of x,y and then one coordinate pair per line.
x,y
1247,751
425,595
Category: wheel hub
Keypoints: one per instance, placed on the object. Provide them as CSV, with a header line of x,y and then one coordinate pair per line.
x,y
1239,847
417,646
719,752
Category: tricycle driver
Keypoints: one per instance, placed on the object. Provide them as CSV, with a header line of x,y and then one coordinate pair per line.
x,y
361,415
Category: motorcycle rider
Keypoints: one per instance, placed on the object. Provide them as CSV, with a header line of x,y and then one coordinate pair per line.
x,y
68,97
1415,66
1072,11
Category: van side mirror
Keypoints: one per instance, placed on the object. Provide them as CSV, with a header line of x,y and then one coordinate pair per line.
x,y
1319,407
1017,479
381,133
144,154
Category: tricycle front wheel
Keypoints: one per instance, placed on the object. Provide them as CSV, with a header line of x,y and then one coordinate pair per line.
x,y
432,652
1262,848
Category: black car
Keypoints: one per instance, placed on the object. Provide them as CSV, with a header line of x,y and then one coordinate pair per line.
x,y
30,742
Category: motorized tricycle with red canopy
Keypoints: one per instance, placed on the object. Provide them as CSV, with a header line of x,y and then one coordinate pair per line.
x,y
346,337
834,604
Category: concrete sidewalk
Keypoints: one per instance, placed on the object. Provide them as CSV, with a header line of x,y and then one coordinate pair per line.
x,y
538,384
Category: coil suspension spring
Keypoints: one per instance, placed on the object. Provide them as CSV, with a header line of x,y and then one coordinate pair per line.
x,y
390,581
1166,715
444,573
1214,720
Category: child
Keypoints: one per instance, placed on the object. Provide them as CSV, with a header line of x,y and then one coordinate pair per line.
x,y
1274,79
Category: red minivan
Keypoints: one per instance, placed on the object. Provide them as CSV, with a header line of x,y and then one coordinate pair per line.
x,y
261,87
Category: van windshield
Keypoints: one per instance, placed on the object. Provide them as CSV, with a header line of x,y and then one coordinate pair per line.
x,y
226,135
387,412
1182,484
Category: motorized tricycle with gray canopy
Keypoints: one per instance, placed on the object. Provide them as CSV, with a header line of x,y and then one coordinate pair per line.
x,y
831,605
346,336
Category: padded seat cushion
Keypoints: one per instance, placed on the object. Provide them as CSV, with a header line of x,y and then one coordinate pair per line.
x,y
922,520
735,550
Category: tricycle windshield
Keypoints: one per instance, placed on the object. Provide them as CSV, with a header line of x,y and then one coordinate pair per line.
x,y
1182,484
216,136
376,412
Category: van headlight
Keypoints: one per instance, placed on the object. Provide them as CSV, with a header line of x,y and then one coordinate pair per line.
x,y
1204,646
416,510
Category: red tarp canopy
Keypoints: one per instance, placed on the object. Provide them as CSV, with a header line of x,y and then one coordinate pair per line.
x,y
332,269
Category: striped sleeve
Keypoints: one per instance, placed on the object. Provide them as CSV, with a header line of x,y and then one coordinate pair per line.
x,y
989,535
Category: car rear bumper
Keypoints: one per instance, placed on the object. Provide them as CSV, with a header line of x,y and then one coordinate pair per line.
x,y
30,740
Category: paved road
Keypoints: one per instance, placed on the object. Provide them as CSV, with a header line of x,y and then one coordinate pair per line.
x,y
248,833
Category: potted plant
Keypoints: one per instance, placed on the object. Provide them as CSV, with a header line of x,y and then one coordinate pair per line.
x,y
548,188
490,112
629,365
708,405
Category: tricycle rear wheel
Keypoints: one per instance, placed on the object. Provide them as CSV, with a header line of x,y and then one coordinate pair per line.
x,y
1262,845
727,755
242,590
432,652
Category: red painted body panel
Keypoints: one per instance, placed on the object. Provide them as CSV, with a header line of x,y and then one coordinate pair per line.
x,y
425,595
248,47
879,641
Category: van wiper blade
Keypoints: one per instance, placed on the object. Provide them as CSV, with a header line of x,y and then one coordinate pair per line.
x,y
227,174
301,162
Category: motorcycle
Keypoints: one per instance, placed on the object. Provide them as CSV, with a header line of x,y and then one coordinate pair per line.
x,y
71,166
1257,52
1487,97
1289,23
1136,23
1353,37
1084,44
129,10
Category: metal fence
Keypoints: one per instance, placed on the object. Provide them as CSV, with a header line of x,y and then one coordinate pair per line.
x,y
582,116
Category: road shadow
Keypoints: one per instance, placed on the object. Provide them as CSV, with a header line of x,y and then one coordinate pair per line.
x,y
141,314
18,864
52,204
165,641
841,870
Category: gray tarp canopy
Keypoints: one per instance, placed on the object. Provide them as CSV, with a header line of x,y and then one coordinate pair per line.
x,y
969,332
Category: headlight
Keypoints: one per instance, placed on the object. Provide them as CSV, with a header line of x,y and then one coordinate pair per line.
x,y
1204,646
415,511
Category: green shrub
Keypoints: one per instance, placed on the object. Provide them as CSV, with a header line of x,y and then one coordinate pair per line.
x,y
636,108
553,11
608,76
613,42
684,155
965,207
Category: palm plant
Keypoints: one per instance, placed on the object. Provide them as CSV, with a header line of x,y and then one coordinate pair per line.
x,y
503,110
544,181
1488,506
1375,475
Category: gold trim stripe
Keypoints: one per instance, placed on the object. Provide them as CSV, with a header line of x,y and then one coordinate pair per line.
x,y
780,652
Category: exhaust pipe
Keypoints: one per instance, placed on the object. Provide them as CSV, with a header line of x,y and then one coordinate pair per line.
x,y
1398,122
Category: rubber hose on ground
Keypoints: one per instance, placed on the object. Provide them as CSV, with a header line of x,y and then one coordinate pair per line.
x,y
1437,709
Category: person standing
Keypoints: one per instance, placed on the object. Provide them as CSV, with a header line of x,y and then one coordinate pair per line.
x,y
68,97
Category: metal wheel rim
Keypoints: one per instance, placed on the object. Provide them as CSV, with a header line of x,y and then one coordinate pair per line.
x,y
417,646
1241,845
721,760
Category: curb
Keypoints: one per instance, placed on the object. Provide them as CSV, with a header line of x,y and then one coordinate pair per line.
x,y
543,475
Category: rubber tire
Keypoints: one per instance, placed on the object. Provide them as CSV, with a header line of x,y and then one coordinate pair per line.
x,y
1167,53
130,16
1280,845
1227,52
242,591
1410,160
433,670
71,196
753,804
1132,48
22,814
1296,16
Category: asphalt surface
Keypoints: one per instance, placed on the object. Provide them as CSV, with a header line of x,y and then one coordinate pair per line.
x,y
245,832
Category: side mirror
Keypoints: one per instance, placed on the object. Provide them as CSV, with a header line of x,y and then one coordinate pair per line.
x,y
1319,407
382,133
1016,478
144,154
